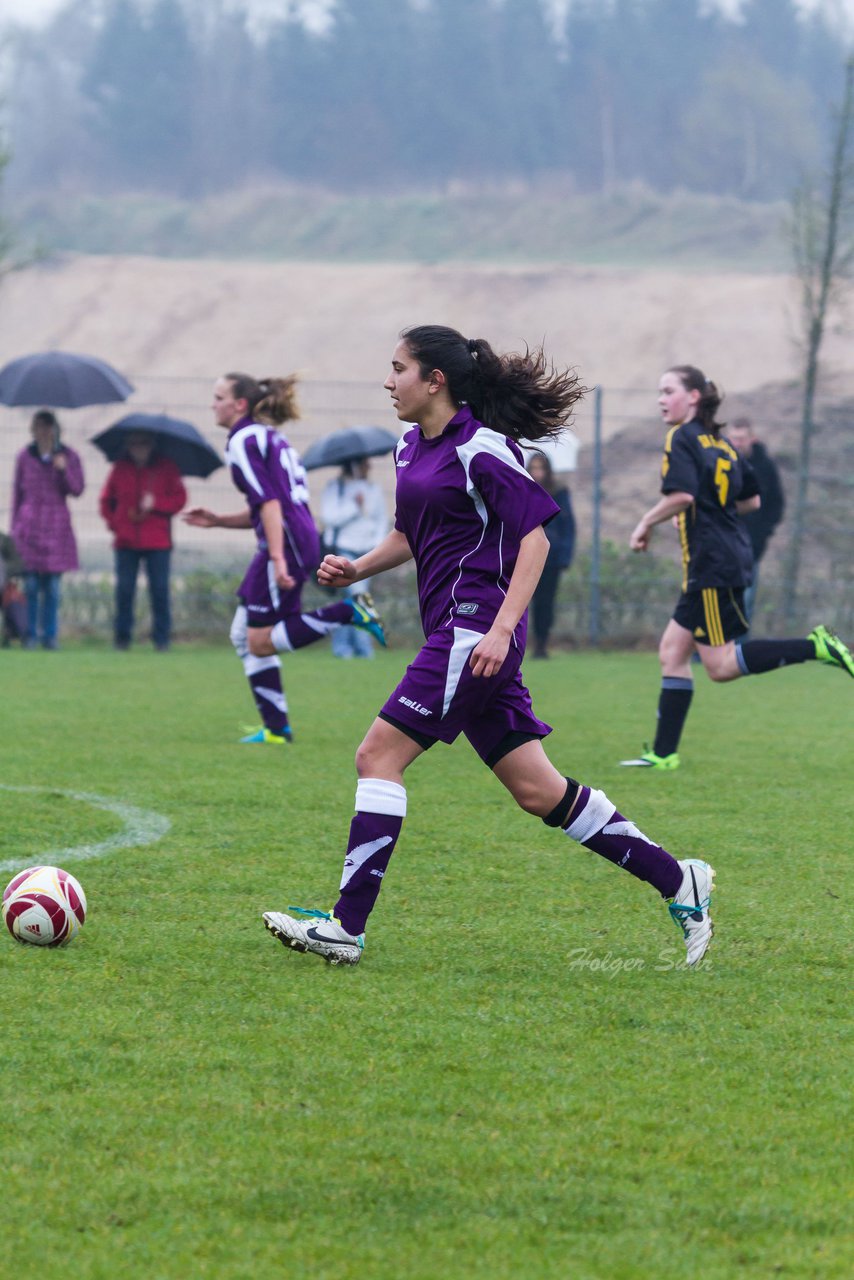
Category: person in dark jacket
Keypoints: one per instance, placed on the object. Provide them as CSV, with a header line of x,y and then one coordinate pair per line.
x,y
561,535
760,524
142,493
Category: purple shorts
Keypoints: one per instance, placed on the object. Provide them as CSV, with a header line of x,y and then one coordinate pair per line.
x,y
266,604
439,698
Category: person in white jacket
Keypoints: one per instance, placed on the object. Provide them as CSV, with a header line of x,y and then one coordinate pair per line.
x,y
354,518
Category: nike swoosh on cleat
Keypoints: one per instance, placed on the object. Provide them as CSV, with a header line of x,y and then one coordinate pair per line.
x,y
318,937
698,914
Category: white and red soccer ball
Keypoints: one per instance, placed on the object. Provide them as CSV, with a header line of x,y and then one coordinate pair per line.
x,y
44,906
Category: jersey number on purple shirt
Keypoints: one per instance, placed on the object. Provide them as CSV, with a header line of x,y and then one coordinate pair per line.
x,y
296,476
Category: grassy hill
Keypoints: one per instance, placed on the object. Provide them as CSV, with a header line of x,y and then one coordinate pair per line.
x,y
633,226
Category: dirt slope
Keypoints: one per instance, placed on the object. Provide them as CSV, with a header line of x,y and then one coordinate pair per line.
x,y
620,327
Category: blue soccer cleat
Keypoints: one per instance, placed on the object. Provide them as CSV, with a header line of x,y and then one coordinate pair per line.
x,y
265,735
365,616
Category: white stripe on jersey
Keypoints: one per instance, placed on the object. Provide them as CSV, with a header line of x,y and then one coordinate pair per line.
x,y
236,456
485,440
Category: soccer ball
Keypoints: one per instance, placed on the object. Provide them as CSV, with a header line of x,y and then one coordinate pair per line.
x,y
44,906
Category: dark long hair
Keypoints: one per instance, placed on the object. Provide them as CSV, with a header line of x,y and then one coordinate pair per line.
x,y
693,379
521,395
271,400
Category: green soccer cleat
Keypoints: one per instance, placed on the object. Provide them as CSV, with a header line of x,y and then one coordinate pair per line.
x,y
319,933
365,616
265,735
829,648
649,760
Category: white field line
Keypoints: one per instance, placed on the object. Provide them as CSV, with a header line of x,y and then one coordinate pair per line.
x,y
141,826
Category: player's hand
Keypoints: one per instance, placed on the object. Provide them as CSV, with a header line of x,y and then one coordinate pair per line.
x,y
336,571
488,655
639,541
201,518
284,581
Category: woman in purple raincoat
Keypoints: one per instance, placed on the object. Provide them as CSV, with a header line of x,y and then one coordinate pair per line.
x,y
47,473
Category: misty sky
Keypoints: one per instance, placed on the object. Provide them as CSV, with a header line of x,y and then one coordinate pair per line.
x,y
35,11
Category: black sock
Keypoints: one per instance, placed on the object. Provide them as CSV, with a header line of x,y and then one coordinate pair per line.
x,y
673,704
757,656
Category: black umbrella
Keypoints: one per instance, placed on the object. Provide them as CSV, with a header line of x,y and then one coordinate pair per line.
x,y
174,439
61,380
348,446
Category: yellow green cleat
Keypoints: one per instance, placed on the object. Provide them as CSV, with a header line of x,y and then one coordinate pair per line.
x,y
829,648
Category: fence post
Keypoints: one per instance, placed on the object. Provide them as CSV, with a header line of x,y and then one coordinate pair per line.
x,y
595,564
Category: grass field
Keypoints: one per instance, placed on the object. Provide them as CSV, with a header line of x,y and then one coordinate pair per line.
x,y
520,1079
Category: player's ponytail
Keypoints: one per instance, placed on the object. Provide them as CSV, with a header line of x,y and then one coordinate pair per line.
x,y
521,395
270,400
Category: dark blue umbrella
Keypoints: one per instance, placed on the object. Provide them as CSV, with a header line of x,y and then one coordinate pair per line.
x,y
348,446
61,380
174,439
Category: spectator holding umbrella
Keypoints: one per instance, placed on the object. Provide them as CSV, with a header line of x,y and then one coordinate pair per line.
x,y
142,493
47,474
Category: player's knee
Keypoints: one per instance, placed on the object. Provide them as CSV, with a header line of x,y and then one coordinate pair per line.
x,y
719,664
366,759
237,636
529,798
259,642
721,672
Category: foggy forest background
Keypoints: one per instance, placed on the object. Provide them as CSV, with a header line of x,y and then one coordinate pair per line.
x,y
193,98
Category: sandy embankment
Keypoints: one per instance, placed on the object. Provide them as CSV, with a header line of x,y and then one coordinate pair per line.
x,y
172,326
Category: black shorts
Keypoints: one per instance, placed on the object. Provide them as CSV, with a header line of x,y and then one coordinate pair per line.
x,y
714,615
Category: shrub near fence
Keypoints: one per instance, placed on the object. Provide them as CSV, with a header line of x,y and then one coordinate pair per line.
x,y
637,595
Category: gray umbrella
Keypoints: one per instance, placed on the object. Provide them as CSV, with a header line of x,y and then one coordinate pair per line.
x,y
174,438
348,446
61,380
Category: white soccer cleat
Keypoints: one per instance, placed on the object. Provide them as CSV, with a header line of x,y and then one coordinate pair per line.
x,y
320,932
690,907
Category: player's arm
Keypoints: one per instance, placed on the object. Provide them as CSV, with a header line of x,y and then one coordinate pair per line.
x,y
270,515
489,653
743,505
338,571
667,507
202,518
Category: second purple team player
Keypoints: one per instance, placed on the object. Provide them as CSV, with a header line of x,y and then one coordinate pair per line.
x,y
472,518
269,619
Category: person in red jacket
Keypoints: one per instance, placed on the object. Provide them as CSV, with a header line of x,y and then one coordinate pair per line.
x,y
143,492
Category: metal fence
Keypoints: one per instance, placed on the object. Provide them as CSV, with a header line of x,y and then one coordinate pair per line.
x,y
609,596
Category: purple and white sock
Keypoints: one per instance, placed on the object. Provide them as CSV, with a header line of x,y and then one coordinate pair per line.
x,y
265,681
300,629
599,827
380,810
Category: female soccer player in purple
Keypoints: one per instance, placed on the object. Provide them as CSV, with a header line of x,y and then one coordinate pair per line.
x,y
268,472
472,519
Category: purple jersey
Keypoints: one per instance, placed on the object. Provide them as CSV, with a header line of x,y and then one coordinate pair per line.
x,y
263,467
464,503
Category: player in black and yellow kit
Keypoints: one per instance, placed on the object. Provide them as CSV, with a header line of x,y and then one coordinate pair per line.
x,y
707,486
